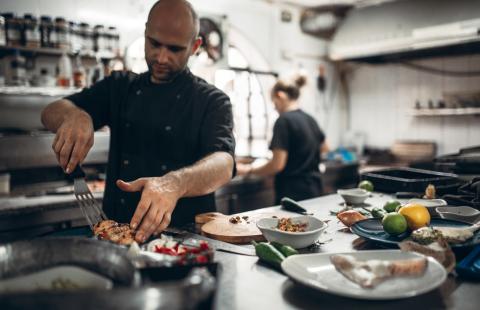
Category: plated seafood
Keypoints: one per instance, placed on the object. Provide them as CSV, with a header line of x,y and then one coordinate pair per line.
x,y
110,230
426,235
370,273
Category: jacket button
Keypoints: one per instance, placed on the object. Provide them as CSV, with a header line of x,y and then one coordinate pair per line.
x,y
164,167
168,128
138,92
126,162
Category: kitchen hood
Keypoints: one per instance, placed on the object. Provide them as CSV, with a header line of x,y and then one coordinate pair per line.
x,y
408,28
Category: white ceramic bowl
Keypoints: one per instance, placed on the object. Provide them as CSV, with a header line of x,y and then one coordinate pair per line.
x,y
462,213
354,196
296,240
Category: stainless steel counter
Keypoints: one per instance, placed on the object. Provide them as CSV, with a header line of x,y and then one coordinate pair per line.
x,y
249,285
245,284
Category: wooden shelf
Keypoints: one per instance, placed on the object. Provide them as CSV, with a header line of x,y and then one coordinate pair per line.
x,y
47,51
445,112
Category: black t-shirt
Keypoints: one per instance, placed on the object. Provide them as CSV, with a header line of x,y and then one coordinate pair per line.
x,y
297,133
157,128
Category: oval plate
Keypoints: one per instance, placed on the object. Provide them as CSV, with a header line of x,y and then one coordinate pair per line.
x,y
316,271
372,229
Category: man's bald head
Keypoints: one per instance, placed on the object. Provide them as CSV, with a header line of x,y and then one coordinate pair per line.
x,y
176,7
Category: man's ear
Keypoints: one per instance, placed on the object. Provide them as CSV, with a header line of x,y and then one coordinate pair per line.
x,y
196,45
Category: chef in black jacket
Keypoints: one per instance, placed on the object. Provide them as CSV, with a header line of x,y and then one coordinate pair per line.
x,y
297,144
171,132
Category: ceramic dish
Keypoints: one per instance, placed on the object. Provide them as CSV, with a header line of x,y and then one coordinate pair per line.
x,y
354,196
297,240
316,271
372,230
430,204
463,213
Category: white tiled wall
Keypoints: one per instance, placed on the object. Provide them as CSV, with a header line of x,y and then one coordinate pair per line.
x,y
383,95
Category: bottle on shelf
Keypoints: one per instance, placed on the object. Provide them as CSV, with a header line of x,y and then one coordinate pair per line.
x,y
64,71
75,38
15,69
79,74
3,33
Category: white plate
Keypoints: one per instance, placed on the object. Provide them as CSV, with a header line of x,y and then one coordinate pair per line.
x,y
316,271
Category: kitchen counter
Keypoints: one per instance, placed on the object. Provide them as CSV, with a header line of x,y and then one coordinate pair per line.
x,y
245,284
249,285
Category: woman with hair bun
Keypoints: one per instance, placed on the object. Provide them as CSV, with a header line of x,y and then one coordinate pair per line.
x,y
297,144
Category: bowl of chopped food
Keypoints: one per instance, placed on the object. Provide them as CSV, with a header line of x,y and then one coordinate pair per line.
x,y
297,232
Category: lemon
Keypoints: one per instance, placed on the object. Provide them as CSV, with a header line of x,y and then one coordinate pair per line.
x,y
394,223
391,205
416,214
366,185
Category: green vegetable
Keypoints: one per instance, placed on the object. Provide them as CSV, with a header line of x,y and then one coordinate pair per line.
x,y
286,250
268,253
378,213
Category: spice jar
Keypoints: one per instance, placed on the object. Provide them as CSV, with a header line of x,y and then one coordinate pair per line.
x,y
86,34
99,38
3,33
31,31
75,38
114,40
47,34
62,31
14,27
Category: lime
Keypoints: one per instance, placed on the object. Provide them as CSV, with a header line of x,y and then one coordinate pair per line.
x,y
394,223
366,185
391,205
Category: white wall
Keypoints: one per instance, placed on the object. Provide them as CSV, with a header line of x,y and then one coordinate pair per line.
x,y
383,95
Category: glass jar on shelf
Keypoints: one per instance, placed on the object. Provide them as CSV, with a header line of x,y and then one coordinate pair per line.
x,y
3,33
15,69
31,31
86,34
114,40
100,38
75,38
14,28
62,32
47,33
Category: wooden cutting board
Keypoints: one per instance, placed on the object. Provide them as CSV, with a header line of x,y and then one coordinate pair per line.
x,y
218,226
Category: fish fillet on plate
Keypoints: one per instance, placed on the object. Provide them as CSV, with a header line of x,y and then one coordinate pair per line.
x,y
369,273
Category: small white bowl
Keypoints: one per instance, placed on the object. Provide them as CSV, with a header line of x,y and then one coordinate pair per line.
x,y
296,240
430,204
354,196
462,213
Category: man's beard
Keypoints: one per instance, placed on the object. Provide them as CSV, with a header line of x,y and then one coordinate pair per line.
x,y
166,77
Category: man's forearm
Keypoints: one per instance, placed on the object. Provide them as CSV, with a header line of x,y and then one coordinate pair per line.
x,y
206,175
56,112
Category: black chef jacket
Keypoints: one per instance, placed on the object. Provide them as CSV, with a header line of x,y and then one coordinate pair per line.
x,y
298,133
157,128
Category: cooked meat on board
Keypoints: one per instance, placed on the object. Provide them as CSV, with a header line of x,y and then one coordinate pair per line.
x,y
115,232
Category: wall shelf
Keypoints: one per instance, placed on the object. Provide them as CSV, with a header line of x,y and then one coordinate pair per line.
x,y
445,112
47,51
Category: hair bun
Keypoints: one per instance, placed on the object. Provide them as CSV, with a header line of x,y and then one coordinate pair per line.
x,y
300,81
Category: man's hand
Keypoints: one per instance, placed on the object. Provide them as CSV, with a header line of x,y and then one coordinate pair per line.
x,y
243,169
73,140
159,199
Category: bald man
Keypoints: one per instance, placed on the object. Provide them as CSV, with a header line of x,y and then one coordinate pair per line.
x,y
171,141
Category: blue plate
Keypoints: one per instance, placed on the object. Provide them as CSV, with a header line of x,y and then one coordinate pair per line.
x,y
372,230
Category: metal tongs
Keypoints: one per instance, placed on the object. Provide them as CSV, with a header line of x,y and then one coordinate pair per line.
x,y
90,208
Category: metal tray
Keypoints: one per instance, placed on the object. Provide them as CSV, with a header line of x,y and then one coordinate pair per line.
x,y
411,180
